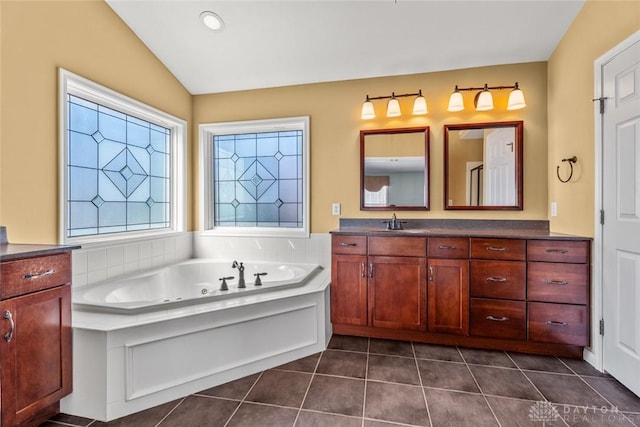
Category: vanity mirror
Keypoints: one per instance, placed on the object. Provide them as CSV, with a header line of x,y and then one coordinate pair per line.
x,y
394,169
483,166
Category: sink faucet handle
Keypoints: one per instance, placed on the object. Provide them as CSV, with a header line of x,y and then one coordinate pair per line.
x,y
223,285
258,281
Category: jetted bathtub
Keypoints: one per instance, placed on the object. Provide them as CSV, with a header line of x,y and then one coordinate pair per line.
x,y
189,282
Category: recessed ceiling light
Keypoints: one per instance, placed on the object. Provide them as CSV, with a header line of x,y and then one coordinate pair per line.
x,y
212,21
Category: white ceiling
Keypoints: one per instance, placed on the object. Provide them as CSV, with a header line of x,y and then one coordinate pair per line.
x,y
280,43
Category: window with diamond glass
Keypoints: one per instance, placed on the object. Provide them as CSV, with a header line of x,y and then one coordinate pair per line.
x,y
258,179
119,171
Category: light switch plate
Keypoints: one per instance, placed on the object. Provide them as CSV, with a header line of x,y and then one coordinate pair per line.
x,y
335,209
554,209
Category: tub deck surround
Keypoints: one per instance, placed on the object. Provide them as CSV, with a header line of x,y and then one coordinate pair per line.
x,y
510,285
125,363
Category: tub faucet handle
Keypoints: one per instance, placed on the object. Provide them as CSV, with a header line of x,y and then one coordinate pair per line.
x,y
223,286
258,281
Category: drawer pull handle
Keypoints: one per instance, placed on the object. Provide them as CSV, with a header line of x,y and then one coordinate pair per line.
x,y
431,273
497,248
496,279
12,326
553,323
32,276
447,247
557,282
348,244
363,269
561,251
497,319
370,270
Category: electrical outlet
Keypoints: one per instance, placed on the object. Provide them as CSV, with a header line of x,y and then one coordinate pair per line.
x,y
335,209
554,209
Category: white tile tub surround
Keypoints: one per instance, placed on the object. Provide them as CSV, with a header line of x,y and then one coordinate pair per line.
x,y
93,264
316,249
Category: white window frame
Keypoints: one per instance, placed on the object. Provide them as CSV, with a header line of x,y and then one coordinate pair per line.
x,y
70,83
207,132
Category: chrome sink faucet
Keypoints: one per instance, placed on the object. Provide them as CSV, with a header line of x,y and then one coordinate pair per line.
x,y
240,267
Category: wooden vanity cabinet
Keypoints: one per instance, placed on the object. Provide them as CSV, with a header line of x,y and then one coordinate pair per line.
x,y
498,288
448,285
379,281
35,338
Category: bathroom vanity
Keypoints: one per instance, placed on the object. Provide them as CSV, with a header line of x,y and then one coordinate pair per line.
x,y
509,285
35,341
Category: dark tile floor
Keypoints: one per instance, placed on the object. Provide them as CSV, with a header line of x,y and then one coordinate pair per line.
x,y
376,383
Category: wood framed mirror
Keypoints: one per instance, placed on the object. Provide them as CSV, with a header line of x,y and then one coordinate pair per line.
x,y
483,166
394,169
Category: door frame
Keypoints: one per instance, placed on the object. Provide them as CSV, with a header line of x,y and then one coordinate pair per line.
x,y
594,355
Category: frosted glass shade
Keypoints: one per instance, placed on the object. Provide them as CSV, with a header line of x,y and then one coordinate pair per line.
x,y
393,108
455,102
420,106
484,101
516,100
367,111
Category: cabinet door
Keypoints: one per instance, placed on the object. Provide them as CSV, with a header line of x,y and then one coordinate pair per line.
x,y
349,289
397,292
448,296
35,353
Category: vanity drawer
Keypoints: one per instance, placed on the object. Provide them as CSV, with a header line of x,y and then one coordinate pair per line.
x,y
34,274
558,323
551,282
398,246
558,251
502,249
348,244
448,247
498,318
498,279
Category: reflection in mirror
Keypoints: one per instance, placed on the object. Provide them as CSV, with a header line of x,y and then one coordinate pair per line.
x,y
483,166
394,169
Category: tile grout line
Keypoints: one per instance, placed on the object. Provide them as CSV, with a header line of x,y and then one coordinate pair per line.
x,y
171,411
235,411
480,389
306,393
424,393
522,371
366,378
598,393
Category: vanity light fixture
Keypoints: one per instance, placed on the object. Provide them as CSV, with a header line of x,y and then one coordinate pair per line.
x,y
212,21
483,100
393,106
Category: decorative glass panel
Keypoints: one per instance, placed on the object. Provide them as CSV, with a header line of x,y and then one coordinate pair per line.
x,y
119,171
257,177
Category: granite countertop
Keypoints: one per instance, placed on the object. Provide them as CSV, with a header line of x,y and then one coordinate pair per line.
x,y
516,229
13,251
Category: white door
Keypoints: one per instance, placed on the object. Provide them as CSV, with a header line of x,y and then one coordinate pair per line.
x,y
621,229
499,170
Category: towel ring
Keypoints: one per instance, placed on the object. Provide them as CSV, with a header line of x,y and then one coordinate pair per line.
x,y
571,161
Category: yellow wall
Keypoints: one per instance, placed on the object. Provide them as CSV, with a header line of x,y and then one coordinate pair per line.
x,y
599,26
334,109
89,39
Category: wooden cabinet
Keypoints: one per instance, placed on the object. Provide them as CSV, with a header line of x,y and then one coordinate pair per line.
x,y
379,281
448,296
558,291
35,337
519,294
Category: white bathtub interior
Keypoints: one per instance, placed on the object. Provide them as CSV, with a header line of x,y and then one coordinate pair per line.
x,y
124,363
